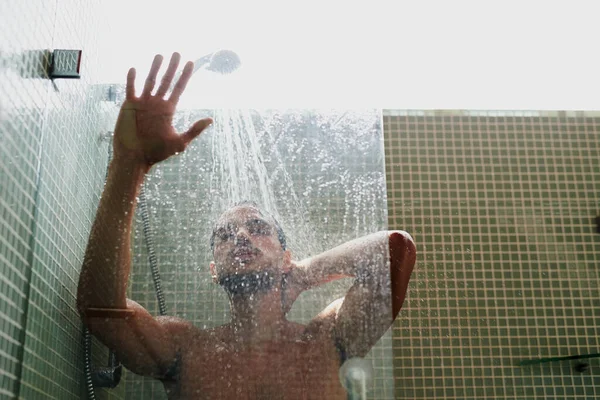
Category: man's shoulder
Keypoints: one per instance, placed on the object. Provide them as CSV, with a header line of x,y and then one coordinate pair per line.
x,y
222,333
187,334
323,324
183,330
174,324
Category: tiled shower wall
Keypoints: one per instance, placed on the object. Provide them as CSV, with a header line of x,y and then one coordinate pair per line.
x,y
52,166
502,207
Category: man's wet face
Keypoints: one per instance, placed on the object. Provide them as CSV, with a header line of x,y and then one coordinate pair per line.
x,y
247,251
230,231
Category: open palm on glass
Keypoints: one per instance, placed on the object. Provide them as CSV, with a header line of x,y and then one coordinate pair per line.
x,y
144,130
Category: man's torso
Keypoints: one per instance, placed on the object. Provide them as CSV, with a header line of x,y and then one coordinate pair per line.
x,y
303,364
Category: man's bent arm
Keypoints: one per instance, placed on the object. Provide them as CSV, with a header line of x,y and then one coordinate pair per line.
x,y
360,258
382,264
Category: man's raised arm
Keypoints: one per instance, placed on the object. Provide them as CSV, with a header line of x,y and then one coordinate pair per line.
x,y
143,136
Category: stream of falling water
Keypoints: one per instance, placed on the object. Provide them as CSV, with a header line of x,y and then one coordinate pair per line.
x,y
319,173
247,166
238,159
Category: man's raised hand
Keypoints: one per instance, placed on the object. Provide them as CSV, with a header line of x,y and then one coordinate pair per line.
x,y
144,132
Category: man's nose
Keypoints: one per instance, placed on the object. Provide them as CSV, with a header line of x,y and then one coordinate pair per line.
x,y
241,236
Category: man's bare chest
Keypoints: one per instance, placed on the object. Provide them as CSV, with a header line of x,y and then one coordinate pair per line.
x,y
291,369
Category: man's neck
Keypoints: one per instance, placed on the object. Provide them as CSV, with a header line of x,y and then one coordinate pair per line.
x,y
257,317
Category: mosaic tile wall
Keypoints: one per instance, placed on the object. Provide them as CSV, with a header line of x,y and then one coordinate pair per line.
x,y
52,167
502,207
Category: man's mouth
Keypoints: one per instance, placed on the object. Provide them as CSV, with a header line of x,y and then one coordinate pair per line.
x,y
243,253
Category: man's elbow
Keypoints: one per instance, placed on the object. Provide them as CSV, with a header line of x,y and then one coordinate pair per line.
x,y
402,245
82,305
86,298
81,302
403,253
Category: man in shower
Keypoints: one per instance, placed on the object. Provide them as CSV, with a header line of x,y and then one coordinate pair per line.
x,y
259,354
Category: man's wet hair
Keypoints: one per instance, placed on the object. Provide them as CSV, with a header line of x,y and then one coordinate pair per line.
x,y
253,204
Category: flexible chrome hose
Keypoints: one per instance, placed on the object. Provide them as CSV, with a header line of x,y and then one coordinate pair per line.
x,y
149,239
87,367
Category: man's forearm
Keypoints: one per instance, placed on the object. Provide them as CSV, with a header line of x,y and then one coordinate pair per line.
x,y
107,260
361,258
381,260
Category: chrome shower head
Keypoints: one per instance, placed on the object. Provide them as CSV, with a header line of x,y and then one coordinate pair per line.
x,y
223,61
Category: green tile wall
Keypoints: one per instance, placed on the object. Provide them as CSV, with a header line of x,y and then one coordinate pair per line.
x,y
502,207
19,159
52,167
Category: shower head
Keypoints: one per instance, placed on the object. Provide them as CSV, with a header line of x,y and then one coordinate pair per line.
x,y
223,61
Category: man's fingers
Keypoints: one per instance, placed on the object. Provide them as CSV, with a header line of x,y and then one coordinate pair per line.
x,y
151,79
182,82
168,77
130,88
196,129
